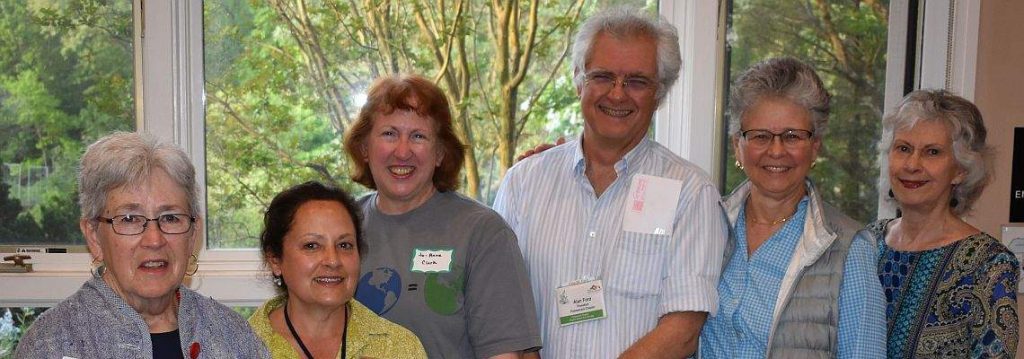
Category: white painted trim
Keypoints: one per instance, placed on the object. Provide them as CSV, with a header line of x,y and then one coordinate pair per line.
x,y
934,36
687,122
966,29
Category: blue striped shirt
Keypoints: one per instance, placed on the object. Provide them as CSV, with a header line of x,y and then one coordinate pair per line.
x,y
750,287
567,233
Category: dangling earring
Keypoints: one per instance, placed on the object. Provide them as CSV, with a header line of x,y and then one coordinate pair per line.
x,y
738,164
277,280
193,260
891,195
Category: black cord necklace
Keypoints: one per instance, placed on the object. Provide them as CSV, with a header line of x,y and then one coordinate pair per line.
x,y
344,334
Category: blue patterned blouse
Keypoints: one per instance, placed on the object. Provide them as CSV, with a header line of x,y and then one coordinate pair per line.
x,y
956,301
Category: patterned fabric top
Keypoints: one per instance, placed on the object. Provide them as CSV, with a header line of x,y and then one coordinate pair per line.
x,y
956,301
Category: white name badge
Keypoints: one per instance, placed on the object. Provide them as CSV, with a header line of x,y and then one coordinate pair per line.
x,y
651,205
432,260
580,302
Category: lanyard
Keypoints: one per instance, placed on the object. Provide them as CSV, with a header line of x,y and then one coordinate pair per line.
x,y
344,333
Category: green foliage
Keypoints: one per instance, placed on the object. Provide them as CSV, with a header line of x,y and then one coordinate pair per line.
x,y
284,81
65,80
13,323
853,69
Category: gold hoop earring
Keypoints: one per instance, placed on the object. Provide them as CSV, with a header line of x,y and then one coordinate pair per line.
x,y
97,267
738,164
193,260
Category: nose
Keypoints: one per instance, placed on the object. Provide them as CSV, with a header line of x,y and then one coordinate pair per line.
x,y
152,236
913,162
618,90
403,149
775,147
332,257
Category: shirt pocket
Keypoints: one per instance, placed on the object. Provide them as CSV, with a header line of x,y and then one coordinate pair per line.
x,y
636,266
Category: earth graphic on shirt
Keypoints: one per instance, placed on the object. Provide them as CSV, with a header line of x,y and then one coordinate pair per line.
x,y
379,289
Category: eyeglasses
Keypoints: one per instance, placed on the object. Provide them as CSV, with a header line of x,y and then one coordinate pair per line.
x,y
791,138
604,81
132,224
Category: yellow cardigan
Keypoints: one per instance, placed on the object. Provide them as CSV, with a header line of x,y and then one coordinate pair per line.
x,y
369,335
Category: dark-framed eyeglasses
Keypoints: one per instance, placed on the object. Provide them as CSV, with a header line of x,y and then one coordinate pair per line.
x,y
790,138
132,224
604,81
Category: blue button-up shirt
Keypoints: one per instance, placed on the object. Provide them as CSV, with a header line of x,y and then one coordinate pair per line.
x,y
750,288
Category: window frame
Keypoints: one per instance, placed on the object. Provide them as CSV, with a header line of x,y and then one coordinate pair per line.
x,y
169,86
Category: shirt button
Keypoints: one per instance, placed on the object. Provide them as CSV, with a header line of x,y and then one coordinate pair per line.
x,y
592,234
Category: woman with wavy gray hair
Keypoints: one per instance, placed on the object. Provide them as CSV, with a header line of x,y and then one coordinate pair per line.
x,y
950,289
799,279
140,211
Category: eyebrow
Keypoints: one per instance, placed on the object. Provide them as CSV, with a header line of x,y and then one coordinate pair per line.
x,y
138,207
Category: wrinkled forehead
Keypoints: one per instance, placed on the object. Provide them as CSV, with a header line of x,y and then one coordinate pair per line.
x,y
143,192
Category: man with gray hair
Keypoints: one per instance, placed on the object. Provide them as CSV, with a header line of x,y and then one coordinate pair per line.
x,y
623,239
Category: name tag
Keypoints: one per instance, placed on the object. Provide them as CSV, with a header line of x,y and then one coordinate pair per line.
x,y
580,302
651,205
432,260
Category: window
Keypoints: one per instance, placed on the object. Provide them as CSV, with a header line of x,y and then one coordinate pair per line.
x,y
66,78
845,41
284,81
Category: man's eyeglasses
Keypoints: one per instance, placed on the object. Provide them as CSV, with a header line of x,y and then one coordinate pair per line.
x,y
604,81
132,224
790,138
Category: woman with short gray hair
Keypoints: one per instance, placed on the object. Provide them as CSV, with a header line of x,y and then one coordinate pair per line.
x,y
950,288
799,279
140,212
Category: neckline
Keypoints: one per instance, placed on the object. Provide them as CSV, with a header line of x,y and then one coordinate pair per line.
x,y
291,328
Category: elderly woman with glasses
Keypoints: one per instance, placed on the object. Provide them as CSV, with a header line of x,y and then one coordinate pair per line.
x,y
799,279
139,206
950,289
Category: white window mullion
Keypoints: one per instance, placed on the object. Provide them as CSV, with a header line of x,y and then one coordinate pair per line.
x,y
687,122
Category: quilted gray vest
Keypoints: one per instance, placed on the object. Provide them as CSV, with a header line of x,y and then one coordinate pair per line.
x,y
808,325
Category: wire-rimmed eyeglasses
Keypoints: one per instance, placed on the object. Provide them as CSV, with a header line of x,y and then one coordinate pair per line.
x,y
790,138
132,224
604,81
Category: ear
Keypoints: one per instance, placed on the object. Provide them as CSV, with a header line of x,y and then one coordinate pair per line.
x,y
961,175
275,264
440,157
736,148
92,240
815,147
364,152
197,236
579,88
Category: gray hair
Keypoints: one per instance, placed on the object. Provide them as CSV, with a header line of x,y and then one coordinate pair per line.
x,y
780,77
966,129
625,22
127,159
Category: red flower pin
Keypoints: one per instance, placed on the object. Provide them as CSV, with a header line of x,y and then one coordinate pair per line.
x,y
193,350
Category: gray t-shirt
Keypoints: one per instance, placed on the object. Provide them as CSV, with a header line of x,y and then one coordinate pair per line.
x,y
451,272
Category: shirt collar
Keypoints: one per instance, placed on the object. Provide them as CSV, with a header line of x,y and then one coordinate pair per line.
x,y
630,161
